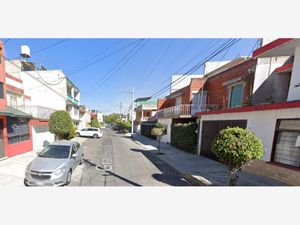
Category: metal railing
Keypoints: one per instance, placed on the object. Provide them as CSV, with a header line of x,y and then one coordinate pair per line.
x,y
183,110
39,112
72,100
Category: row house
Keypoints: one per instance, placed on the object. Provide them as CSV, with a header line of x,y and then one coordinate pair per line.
x,y
97,114
145,108
182,104
15,125
35,93
261,94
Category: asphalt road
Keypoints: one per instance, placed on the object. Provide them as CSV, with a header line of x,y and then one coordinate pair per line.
x,y
116,160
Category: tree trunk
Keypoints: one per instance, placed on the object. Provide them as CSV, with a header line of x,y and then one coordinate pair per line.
x,y
158,144
233,176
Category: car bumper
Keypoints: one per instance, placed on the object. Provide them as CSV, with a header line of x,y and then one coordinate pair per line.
x,y
52,181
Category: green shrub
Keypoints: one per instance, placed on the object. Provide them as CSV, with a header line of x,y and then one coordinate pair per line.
x,y
95,123
183,136
126,126
146,128
72,133
60,124
234,147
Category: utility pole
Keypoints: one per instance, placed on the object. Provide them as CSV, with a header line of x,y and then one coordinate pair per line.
x,y
132,110
121,108
132,107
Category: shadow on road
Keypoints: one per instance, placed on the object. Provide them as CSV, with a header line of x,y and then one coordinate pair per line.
x,y
168,175
111,173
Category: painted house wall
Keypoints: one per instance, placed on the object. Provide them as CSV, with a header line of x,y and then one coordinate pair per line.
x,y
183,82
41,136
2,75
218,92
294,91
17,148
262,123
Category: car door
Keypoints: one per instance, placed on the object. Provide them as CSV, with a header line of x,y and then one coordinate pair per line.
x,y
83,132
90,132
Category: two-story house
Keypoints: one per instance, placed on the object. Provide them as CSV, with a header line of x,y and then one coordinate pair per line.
x,y
144,109
272,110
181,105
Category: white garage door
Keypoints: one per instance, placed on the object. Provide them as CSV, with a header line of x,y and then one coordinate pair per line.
x,y
41,136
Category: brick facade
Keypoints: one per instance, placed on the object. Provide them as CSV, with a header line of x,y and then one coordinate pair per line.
x,y
217,89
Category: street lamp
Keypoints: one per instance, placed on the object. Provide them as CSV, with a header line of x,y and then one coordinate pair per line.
x,y
132,107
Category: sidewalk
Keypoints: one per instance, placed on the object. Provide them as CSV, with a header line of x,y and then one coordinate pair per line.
x,y
12,170
200,170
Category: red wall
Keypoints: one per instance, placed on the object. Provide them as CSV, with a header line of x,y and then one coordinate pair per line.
x,y
2,76
217,93
18,148
165,103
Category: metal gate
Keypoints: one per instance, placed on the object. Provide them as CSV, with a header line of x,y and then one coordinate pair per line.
x,y
210,130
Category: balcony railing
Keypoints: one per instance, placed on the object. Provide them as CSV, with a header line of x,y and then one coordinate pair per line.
x,y
187,110
39,112
72,100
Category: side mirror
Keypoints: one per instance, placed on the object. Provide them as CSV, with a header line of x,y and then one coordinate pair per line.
x,y
74,155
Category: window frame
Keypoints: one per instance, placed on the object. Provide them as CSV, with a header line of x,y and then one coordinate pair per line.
x,y
276,133
230,87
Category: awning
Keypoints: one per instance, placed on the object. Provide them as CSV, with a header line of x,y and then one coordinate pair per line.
x,y
9,111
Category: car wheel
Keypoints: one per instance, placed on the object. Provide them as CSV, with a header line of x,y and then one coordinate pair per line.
x,y
69,177
95,136
77,134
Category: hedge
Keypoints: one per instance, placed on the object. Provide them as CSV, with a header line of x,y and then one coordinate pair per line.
x,y
183,136
146,129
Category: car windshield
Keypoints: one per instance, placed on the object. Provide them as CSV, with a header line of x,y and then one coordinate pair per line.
x,y
55,151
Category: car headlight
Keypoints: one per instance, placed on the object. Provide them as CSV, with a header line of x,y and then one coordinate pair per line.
x,y
60,171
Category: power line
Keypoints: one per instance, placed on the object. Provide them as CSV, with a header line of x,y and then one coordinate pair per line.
x,y
183,76
254,46
7,40
111,70
49,46
121,63
103,58
197,66
99,53
155,65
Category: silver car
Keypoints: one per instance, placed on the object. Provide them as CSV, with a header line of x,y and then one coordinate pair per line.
x,y
54,165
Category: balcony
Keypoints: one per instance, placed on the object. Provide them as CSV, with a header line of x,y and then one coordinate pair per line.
x,y
38,112
72,100
183,111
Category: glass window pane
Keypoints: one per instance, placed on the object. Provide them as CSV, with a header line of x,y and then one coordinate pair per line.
x,y
287,150
236,96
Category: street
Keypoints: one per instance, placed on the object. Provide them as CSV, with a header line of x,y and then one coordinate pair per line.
x,y
116,160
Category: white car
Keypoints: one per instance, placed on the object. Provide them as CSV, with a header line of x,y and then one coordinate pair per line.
x,y
89,132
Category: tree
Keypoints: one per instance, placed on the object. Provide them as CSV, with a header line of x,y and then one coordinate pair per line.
x,y
159,130
95,123
61,124
234,147
114,118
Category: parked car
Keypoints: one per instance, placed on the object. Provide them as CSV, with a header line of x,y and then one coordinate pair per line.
x,y
89,132
54,165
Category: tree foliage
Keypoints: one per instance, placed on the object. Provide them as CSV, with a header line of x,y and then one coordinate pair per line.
x,y
61,124
113,118
95,123
236,146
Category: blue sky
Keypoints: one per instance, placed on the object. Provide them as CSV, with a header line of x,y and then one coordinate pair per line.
x,y
103,75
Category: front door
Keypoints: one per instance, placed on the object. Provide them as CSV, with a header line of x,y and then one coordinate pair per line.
x,y
2,153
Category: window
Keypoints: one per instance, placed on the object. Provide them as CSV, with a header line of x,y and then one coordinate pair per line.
x,y
13,100
17,129
77,146
236,96
74,150
287,147
1,91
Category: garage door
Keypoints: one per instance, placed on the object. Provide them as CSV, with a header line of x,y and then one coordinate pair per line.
x,y
41,136
210,130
